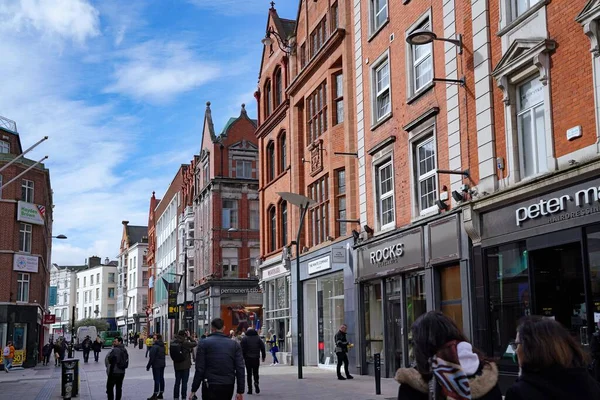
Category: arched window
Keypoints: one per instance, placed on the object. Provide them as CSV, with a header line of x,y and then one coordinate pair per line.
x,y
282,153
268,99
272,229
283,209
278,87
271,161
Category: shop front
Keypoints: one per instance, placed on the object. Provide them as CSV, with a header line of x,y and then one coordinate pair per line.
x,y
22,324
402,275
275,284
327,277
537,254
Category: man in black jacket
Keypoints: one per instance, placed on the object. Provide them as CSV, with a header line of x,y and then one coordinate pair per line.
x,y
219,365
341,350
86,345
253,348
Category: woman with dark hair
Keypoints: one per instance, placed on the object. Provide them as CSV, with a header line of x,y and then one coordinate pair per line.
x,y
447,366
552,363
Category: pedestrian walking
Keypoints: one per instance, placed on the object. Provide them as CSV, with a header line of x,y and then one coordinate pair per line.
x,y
552,364
97,348
157,362
57,351
274,349
180,350
253,349
47,352
447,366
149,342
116,362
8,355
219,366
86,346
341,351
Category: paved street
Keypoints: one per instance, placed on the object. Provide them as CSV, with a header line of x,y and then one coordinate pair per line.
x,y
280,382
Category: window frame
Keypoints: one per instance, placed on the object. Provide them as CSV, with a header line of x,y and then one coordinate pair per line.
x,y
318,36
271,163
4,145
334,13
316,119
27,190
23,286
282,148
283,213
514,5
412,63
254,206
340,196
303,59
243,164
428,136
25,237
231,212
373,14
272,228
278,92
338,97
376,93
379,166
531,110
268,98
319,212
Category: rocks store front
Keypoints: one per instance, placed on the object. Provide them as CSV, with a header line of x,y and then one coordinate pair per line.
x,y
537,256
401,276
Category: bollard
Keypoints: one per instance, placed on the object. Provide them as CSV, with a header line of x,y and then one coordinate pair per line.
x,y
69,378
377,363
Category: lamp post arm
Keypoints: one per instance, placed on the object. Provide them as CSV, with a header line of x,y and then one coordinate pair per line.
x,y
281,42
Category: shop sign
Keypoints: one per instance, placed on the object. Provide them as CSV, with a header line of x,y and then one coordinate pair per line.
x,y
30,213
319,265
52,296
25,263
403,251
172,302
240,290
49,318
189,310
273,272
338,255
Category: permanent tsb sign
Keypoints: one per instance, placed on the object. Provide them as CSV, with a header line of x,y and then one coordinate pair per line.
x,y
402,251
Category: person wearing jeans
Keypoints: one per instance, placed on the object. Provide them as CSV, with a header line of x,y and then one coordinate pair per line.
x,y
253,350
157,362
182,367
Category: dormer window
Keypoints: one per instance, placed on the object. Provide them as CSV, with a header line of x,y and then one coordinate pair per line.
x,y
4,147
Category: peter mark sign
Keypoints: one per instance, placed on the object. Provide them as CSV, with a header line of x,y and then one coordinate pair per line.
x,y
31,213
24,263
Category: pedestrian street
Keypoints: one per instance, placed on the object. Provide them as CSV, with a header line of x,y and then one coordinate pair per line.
x,y
277,382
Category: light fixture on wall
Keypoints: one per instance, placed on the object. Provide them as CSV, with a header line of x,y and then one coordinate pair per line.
x,y
369,230
283,43
441,205
457,196
424,36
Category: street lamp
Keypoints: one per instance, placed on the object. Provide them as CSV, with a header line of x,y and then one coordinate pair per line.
x,y
304,203
59,237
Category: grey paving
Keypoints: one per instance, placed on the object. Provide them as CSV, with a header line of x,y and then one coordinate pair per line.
x,y
278,382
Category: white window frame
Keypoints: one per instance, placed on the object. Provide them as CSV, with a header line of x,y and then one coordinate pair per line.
x,y
424,22
254,214
26,233
374,13
29,188
514,14
246,166
376,93
428,138
539,169
4,147
379,196
232,214
23,286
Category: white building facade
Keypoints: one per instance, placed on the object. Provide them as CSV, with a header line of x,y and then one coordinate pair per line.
x,y
63,281
97,292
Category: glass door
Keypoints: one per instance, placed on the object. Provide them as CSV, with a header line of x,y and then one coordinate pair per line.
x,y
416,305
593,249
395,326
559,287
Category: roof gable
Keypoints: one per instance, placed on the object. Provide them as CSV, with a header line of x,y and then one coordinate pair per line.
x,y
232,121
286,28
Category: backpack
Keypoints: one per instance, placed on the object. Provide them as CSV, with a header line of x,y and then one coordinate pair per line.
x,y
177,352
123,361
6,352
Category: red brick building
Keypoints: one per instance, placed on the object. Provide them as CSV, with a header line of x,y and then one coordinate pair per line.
x,y
226,228
308,146
25,247
151,260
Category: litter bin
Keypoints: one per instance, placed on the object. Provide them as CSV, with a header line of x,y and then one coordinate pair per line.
x,y
69,378
141,343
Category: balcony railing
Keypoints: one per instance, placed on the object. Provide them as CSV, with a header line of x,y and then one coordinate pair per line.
x,y
8,124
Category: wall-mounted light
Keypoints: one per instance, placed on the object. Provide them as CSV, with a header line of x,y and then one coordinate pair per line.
x,y
283,44
369,230
424,36
457,196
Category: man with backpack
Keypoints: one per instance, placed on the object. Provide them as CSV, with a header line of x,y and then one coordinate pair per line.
x,y
8,354
219,366
180,350
116,361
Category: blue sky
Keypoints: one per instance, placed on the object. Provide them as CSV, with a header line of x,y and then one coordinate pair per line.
x,y
120,87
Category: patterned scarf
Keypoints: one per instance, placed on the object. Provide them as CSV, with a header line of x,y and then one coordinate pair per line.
x,y
448,375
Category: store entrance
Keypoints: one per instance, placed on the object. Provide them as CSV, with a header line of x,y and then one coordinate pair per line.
x,y
559,287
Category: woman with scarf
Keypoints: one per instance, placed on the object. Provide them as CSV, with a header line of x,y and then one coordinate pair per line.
x,y
447,366
552,364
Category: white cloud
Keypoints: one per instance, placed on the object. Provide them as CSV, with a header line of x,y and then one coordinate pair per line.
x,y
68,19
157,71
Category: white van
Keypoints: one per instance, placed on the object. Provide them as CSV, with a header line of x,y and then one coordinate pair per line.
x,y
84,331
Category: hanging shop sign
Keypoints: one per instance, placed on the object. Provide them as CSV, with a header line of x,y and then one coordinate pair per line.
x,y
172,302
189,310
49,318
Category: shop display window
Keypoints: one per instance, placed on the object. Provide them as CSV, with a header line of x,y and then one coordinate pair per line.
x,y
509,295
373,320
451,293
593,245
416,305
